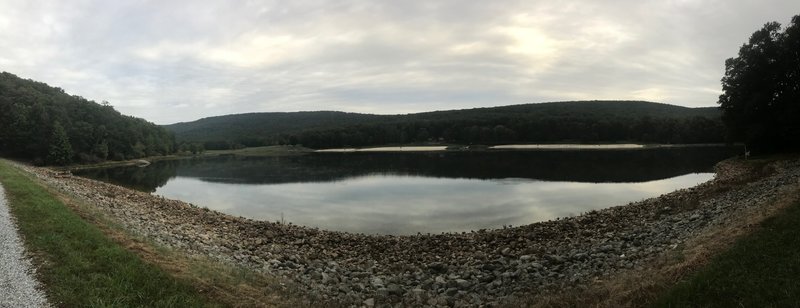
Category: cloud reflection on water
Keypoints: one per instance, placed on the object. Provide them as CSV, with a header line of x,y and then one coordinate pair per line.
x,y
395,204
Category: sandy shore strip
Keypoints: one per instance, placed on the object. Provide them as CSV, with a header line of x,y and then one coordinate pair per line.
x,y
566,147
521,147
471,269
387,149
18,288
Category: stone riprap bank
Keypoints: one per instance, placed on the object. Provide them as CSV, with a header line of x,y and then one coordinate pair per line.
x,y
480,268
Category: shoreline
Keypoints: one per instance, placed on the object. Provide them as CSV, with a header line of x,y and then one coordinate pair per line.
x,y
520,147
247,152
463,269
293,150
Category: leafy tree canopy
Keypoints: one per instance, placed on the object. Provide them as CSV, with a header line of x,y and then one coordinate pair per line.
x,y
761,89
44,124
60,152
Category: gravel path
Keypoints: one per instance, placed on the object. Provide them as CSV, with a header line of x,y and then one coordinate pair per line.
x,y
18,288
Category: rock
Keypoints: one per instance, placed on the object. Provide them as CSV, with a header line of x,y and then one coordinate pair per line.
x,y
382,292
526,258
581,256
360,274
506,251
376,282
695,217
437,268
394,289
486,278
370,302
509,275
463,284
554,259
451,291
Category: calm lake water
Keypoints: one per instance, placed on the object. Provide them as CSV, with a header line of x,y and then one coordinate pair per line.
x,y
406,193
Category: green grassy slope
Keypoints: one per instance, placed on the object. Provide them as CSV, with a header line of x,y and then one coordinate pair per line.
x,y
78,265
760,270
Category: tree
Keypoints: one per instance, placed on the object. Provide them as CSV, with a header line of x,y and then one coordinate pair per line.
x,y
60,151
761,89
101,150
30,109
196,148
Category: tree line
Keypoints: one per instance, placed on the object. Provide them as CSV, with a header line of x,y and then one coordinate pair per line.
x,y
45,125
546,130
587,121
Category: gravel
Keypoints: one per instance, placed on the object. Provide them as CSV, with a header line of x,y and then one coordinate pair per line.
x,y
18,288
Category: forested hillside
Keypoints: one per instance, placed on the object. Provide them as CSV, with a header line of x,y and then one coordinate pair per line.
x,y
257,129
585,121
44,124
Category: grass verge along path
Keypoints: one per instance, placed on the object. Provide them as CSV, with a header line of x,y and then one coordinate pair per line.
x,y
78,265
760,270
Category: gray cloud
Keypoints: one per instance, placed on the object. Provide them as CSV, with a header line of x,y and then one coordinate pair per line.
x,y
181,60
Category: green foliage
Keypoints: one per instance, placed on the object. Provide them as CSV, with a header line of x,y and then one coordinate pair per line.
x,y
29,111
761,92
259,129
60,152
100,150
590,121
193,148
760,270
81,267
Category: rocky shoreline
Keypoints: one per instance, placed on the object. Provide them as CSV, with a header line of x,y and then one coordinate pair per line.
x,y
481,268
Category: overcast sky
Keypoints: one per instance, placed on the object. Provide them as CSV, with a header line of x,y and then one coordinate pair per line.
x,y
171,61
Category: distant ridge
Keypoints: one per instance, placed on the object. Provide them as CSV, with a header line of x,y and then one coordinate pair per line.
x,y
581,121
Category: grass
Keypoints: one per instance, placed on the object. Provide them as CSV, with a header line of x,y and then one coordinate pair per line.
x,y
78,265
760,270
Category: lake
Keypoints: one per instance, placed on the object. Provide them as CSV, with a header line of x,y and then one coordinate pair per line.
x,y
425,192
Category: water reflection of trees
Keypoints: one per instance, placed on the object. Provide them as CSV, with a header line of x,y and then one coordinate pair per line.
x,y
143,179
578,166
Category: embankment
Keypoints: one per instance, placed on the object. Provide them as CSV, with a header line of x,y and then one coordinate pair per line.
x,y
464,269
